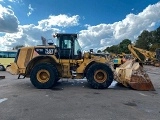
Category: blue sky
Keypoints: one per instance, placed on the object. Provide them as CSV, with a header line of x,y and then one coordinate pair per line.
x,y
99,23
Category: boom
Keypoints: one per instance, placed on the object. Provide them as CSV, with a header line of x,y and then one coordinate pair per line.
x,y
149,56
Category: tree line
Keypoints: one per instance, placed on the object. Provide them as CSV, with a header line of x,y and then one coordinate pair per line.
x,y
146,40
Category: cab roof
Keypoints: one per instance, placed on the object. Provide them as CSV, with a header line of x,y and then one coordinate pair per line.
x,y
65,34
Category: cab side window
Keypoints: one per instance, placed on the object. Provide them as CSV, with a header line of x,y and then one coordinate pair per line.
x,y
66,44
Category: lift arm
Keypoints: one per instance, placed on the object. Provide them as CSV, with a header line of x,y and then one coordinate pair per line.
x,y
145,53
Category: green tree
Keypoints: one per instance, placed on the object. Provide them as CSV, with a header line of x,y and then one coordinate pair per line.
x,y
123,46
119,48
144,40
155,36
99,51
112,49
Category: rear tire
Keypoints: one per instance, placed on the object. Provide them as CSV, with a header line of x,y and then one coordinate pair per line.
x,y
44,75
99,76
2,68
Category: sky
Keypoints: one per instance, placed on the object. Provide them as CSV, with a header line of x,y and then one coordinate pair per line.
x,y
99,23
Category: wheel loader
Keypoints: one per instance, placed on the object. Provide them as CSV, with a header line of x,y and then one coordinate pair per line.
x,y
46,64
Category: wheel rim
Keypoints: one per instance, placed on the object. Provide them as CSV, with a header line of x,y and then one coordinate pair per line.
x,y
43,76
100,76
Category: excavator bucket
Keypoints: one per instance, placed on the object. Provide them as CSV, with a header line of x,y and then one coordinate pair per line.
x,y
131,74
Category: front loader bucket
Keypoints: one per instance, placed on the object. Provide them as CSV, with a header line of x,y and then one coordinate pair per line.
x,y
140,83
131,74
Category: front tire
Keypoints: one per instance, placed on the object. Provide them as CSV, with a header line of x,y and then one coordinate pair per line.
x,y
99,76
44,75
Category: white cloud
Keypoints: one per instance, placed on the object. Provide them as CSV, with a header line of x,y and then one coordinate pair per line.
x,y
96,37
27,35
61,20
103,35
31,34
9,6
8,21
13,1
30,10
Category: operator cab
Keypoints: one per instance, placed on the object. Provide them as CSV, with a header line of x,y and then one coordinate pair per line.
x,y
68,46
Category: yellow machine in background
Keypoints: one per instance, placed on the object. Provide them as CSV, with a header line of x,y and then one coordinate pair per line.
x,y
46,64
151,58
119,59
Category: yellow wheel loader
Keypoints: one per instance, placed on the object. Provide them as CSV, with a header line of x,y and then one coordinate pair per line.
x,y
46,64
